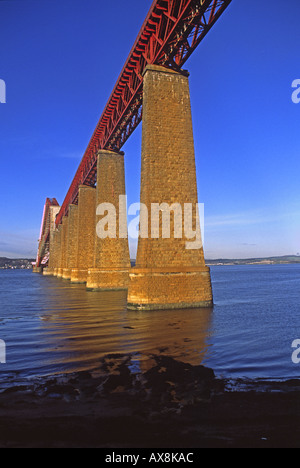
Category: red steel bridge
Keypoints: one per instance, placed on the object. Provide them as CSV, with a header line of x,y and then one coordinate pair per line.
x,y
51,209
171,32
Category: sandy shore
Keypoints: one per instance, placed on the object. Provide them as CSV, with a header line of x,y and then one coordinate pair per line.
x,y
168,404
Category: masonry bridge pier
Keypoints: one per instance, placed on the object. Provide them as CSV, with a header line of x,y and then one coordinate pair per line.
x,y
85,240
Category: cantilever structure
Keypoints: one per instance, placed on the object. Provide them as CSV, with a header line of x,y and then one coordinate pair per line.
x,y
51,209
171,32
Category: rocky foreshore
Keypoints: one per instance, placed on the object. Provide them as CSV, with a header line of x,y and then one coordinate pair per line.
x,y
161,403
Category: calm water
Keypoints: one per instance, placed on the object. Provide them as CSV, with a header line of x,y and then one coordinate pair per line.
x,y
51,326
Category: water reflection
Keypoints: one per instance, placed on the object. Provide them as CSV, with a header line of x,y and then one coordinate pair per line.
x,y
79,327
50,326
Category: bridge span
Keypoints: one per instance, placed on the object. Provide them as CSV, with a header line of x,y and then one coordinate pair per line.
x,y
153,88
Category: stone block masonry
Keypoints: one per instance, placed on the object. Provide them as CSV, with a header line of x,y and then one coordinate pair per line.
x,y
51,265
111,254
58,250
72,244
170,270
54,252
167,274
64,243
86,234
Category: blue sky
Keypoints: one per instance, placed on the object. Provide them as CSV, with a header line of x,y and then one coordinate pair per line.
x,y
60,60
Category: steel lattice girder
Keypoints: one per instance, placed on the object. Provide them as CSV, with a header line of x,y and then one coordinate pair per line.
x,y
44,240
171,32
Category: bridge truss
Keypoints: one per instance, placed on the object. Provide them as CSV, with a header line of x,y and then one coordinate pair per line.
x,y
171,32
51,210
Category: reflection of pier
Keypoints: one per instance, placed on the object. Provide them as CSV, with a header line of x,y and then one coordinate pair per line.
x,y
78,340
169,332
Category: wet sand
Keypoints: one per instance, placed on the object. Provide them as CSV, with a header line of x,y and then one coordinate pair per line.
x,y
163,404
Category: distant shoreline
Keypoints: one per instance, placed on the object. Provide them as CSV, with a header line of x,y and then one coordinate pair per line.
x,y
15,263
26,264
283,260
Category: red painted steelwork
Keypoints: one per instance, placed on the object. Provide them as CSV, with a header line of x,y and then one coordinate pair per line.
x,y
171,32
43,249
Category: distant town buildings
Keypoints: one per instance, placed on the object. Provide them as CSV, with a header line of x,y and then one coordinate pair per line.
x,y
15,264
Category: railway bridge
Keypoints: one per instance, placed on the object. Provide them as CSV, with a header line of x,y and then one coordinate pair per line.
x,y
85,239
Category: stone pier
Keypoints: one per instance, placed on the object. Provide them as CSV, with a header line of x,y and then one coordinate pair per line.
x,y
54,253
72,244
37,269
111,253
51,263
57,250
168,273
63,250
85,247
